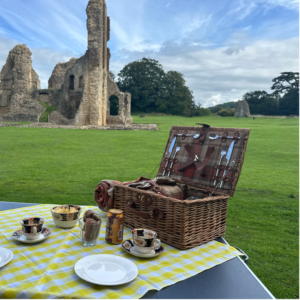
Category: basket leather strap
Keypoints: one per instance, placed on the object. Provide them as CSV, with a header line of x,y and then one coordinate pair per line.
x,y
190,162
155,187
155,213
209,152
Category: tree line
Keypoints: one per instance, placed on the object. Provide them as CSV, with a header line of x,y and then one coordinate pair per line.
x,y
283,101
155,91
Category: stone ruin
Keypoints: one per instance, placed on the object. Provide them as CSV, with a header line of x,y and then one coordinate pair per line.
x,y
242,109
81,89
18,82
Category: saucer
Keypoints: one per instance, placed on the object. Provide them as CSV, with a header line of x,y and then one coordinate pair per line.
x,y
5,256
19,236
128,246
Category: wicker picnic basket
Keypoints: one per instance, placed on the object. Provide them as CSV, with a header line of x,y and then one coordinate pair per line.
x,y
188,223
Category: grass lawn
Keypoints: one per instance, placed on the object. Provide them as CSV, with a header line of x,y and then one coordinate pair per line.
x,y
47,112
59,166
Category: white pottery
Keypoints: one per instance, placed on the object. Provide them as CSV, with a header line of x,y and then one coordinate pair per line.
x,y
145,240
32,227
66,220
6,256
129,247
106,269
18,235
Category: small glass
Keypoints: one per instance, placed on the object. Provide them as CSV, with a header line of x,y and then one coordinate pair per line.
x,y
89,233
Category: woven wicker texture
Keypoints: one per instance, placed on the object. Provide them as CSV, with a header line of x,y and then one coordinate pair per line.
x,y
189,223
185,224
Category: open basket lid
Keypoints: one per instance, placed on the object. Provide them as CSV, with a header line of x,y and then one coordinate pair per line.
x,y
195,157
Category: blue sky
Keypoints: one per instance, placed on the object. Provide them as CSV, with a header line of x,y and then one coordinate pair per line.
x,y
224,48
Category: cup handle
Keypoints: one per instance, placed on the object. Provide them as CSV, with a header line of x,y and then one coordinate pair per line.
x,y
34,230
157,244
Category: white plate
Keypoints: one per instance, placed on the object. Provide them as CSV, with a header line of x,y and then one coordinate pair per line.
x,y
105,269
129,247
19,236
5,256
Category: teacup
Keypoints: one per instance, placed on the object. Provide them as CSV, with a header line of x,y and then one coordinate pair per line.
x,y
145,240
32,227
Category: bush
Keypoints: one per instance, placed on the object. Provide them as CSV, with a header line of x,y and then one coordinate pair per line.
x,y
229,112
200,112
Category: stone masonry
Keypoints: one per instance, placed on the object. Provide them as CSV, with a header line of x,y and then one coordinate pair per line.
x,y
80,88
86,85
242,109
58,75
18,81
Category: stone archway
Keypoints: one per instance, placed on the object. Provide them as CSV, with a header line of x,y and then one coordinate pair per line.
x,y
113,105
71,82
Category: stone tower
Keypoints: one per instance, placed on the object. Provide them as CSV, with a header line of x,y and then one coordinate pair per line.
x,y
19,80
242,109
97,26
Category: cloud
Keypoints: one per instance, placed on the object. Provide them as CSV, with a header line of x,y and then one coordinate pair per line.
x,y
45,23
290,4
215,77
43,59
224,48
236,48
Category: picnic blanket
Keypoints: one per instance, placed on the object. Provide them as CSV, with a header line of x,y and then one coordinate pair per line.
x,y
46,269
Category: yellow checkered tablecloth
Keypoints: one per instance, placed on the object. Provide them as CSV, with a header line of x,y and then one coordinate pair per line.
x,y
46,269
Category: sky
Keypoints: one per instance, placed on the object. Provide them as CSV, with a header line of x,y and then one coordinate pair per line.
x,y
224,48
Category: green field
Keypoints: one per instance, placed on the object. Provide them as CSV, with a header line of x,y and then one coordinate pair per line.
x,y
61,166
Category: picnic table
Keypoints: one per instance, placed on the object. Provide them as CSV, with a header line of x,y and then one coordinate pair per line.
x,y
231,279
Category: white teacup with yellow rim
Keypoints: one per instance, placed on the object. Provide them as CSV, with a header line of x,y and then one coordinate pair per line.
x,y
145,240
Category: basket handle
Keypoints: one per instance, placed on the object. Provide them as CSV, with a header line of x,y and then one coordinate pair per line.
x,y
155,213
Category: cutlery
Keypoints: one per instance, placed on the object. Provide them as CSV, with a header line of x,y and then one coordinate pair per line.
x,y
228,156
223,152
193,135
214,136
170,153
176,150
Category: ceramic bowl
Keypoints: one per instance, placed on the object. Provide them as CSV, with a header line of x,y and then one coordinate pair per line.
x,y
66,220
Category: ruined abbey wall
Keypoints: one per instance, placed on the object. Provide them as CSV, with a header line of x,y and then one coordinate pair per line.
x,y
79,88
58,74
124,114
18,81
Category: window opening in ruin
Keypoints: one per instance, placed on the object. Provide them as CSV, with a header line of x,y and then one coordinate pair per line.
x,y
81,83
71,85
114,105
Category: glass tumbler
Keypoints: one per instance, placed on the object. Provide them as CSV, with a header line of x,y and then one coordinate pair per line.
x,y
89,232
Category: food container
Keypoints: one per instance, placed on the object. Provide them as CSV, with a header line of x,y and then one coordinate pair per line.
x,y
64,219
200,167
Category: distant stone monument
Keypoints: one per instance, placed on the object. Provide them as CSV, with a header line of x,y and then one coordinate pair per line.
x,y
242,109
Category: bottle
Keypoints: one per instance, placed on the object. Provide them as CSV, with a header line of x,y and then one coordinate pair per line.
x,y
114,226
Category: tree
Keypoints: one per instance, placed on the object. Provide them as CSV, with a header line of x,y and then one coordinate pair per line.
x,y
285,82
142,80
261,103
227,112
215,109
289,104
153,90
174,96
